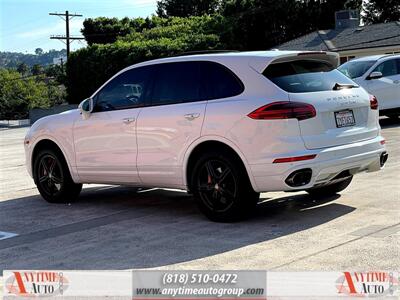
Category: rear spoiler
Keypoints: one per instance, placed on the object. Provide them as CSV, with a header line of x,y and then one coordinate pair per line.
x,y
259,63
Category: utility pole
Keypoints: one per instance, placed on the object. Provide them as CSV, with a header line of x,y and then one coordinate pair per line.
x,y
67,39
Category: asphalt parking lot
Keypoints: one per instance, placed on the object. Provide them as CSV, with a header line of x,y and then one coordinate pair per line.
x,y
119,228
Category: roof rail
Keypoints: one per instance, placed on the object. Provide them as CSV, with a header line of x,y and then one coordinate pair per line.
x,y
388,55
203,52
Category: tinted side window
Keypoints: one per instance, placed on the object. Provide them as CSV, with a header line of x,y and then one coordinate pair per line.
x,y
387,68
124,91
176,83
354,69
219,82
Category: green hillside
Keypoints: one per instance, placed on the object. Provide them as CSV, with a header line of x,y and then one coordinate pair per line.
x,y
13,59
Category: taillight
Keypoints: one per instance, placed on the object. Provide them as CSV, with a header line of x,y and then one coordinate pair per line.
x,y
373,102
284,110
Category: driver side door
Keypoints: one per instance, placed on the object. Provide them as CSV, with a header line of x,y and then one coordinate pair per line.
x,y
386,88
105,143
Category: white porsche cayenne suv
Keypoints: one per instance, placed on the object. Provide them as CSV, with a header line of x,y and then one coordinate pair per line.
x,y
223,126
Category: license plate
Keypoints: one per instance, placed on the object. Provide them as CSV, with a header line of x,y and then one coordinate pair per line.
x,y
344,118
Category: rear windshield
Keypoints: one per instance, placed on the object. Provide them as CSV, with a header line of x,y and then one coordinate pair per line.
x,y
302,76
354,69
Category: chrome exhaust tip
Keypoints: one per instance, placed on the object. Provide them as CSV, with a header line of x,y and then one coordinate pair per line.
x,y
299,178
383,158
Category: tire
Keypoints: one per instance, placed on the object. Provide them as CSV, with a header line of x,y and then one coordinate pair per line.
x,y
331,189
221,187
52,177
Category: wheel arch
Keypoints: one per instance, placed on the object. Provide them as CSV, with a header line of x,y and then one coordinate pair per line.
x,y
215,143
49,143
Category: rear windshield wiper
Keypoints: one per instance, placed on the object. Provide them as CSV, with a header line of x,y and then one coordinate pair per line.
x,y
339,86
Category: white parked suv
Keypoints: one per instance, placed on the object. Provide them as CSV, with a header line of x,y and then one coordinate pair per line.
x,y
224,126
380,76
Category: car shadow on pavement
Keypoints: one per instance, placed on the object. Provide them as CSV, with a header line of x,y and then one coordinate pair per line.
x,y
389,123
119,228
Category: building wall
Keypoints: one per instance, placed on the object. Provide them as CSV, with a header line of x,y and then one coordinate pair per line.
x,y
350,54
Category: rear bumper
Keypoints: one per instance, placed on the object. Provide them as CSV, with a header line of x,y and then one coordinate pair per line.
x,y
329,163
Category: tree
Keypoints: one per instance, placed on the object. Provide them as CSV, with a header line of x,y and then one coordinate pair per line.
x,y
353,4
13,59
38,51
262,24
89,67
22,68
105,30
238,25
18,95
57,72
36,69
381,11
186,8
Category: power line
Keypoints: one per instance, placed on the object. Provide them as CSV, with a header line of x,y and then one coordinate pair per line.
x,y
67,39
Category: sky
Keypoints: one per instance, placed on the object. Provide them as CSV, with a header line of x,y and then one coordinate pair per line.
x,y
26,24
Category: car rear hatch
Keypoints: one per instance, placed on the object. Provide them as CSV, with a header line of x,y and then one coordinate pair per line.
x,y
343,117
343,110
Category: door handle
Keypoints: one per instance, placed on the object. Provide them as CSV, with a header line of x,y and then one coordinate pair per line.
x,y
192,116
396,81
128,120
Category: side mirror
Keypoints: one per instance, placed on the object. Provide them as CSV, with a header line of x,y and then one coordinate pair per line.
x,y
375,75
86,107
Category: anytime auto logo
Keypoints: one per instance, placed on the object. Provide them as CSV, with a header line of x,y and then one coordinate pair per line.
x,y
367,284
36,283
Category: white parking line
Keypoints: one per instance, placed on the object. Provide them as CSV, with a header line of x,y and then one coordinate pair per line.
x,y
6,235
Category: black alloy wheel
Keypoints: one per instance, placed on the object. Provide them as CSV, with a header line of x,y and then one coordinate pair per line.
x,y
217,185
52,177
222,187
